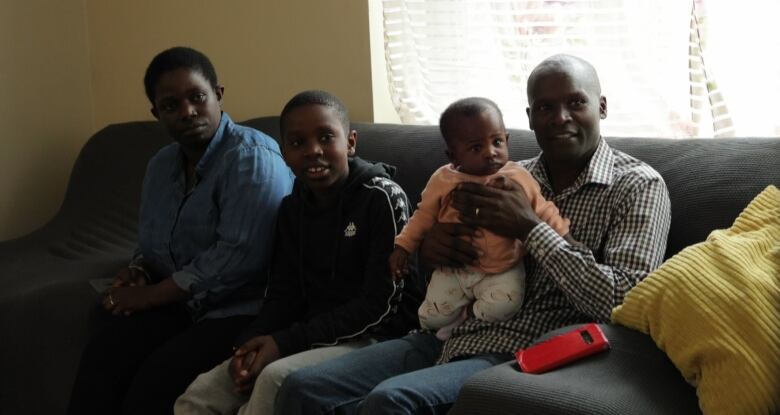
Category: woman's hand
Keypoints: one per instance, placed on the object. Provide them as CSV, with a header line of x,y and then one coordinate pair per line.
x,y
444,246
501,207
129,277
125,300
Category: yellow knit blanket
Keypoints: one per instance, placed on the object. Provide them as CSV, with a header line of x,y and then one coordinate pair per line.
x,y
714,308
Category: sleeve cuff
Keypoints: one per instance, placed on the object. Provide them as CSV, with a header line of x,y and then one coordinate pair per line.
x,y
185,280
137,264
543,241
244,337
285,343
403,243
138,260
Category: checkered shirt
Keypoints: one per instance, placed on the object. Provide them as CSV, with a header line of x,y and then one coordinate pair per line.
x,y
619,209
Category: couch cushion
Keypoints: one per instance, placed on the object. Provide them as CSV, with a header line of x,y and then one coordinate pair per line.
x,y
633,378
713,309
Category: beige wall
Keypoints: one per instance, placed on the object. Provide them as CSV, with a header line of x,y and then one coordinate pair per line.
x,y
264,51
71,67
45,109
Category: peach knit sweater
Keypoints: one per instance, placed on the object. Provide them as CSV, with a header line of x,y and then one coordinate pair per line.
x,y
500,253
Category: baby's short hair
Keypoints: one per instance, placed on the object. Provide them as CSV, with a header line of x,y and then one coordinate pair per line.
x,y
466,107
315,97
175,58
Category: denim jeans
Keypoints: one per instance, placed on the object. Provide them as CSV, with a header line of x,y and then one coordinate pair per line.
x,y
393,377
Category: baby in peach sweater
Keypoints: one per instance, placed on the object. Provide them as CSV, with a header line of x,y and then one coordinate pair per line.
x,y
476,138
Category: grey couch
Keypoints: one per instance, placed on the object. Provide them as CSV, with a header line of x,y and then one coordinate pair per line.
x,y
46,303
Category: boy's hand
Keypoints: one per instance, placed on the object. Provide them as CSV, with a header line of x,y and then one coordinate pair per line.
x,y
398,262
245,366
240,364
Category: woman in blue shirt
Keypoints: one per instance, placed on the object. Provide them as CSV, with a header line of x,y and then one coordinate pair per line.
x,y
207,214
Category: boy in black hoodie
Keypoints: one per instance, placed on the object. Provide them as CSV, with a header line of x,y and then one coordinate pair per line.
x,y
330,289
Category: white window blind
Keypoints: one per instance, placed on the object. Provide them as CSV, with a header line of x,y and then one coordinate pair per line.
x,y
670,68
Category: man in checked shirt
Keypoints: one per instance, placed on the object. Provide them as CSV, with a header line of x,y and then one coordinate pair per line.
x,y
619,212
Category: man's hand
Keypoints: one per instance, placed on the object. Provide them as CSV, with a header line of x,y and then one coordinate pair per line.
x,y
129,277
444,246
502,207
249,360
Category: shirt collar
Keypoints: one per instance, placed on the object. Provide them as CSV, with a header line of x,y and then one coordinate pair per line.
x,y
213,146
598,170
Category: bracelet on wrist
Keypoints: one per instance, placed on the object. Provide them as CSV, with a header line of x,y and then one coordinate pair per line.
x,y
136,267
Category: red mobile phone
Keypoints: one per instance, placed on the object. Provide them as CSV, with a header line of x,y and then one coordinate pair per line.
x,y
559,350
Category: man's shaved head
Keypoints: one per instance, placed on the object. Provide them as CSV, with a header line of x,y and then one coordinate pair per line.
x,y
572,66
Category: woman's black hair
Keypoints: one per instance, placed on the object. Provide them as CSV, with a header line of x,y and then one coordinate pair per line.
x,y
175,58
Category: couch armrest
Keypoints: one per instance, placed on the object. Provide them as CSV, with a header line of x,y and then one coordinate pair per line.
x,y
634,377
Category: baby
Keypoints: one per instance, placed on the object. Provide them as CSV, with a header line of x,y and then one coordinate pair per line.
x,y
473,129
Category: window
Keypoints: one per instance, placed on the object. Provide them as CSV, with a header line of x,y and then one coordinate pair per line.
x,y
668,68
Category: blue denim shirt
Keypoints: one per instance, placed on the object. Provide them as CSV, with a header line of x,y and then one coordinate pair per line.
x,y
215,241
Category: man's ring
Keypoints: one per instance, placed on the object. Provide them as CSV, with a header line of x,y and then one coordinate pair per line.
x,y
111,300
476,212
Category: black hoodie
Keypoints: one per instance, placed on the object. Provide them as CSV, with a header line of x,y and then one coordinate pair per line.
x,y
330,281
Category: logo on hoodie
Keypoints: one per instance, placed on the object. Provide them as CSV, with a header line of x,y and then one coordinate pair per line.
x,y
350,230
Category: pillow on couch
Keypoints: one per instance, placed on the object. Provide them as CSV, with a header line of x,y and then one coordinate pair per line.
x,y
714,308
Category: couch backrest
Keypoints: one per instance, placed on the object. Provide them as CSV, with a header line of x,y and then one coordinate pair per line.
x,y
710,180
100,210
